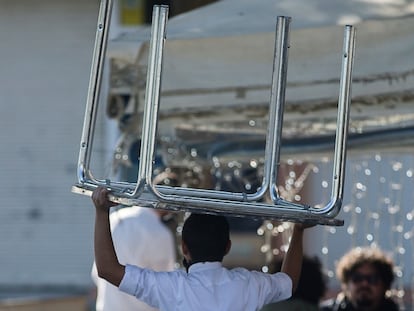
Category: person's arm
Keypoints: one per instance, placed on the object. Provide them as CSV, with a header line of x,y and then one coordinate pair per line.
x,y
107,263
292,262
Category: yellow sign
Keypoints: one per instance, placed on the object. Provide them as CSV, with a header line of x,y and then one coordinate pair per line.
x,y
132,12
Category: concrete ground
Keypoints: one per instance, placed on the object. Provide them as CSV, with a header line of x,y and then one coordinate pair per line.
x,y
75,303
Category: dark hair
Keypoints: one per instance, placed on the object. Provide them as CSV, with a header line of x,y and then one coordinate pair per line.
x,y
206,237
312,281
359,256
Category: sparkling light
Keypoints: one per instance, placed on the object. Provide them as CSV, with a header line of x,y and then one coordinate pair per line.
x,y
374,208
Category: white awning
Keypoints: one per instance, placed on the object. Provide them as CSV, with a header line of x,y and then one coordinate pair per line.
x,y
218,65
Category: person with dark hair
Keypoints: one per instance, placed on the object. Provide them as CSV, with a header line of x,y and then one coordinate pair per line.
x,y
311,288
205,285
207,237
366,274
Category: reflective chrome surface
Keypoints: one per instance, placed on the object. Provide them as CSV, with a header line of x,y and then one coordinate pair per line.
x,y
145,193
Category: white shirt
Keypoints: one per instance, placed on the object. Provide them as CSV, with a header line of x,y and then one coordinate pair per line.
x,y
140,238
207,287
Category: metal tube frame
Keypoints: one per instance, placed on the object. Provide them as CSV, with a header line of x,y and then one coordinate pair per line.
x,y
101,39
145,193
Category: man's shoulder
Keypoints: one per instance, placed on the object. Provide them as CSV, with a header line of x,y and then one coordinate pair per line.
x,y
290,305
340,303
390,305
127,212
329,305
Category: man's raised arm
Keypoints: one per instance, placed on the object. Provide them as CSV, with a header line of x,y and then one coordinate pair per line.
x,y
107,263
292,262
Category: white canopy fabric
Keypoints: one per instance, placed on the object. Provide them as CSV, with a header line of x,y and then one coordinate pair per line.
x,y
231,17
239,17
218,64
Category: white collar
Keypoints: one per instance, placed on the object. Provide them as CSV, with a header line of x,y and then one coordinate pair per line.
x,y
201,266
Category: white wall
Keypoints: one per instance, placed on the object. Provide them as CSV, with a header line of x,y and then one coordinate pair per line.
x,y
45,56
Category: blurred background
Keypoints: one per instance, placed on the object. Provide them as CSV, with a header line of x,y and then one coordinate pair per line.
x,y
215,94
